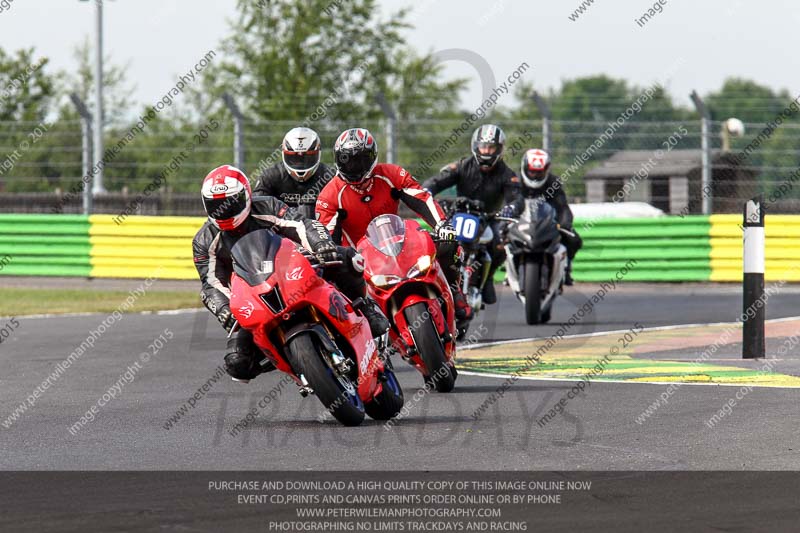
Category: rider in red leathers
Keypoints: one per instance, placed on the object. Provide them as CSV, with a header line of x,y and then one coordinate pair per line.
x,y
363,189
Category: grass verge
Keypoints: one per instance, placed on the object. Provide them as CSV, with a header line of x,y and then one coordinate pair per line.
x,y
28,301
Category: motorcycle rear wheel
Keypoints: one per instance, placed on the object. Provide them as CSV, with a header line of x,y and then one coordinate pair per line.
x,y
344,405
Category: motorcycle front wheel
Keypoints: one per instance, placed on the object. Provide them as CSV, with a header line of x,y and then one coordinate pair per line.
x,y
533,292
338,394
430,347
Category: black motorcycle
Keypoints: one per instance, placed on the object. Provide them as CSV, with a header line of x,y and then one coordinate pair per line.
x,y
474,231
536,261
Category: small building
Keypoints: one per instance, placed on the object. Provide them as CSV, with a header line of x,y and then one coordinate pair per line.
x,y
672,182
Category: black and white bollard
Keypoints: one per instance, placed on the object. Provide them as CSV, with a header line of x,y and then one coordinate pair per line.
x,y
754,304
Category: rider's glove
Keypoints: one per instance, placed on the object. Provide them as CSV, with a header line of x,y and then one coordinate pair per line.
x,y
508,211
226,318
327,252
445,232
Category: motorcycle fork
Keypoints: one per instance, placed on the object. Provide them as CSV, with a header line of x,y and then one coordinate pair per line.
x,y
338,361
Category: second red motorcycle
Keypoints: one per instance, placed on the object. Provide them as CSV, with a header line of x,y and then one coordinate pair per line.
x,y
405,279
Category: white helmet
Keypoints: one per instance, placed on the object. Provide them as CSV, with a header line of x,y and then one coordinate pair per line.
x,y
535,168
301,153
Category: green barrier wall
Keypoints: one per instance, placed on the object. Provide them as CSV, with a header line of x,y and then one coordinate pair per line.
x,y
44,245
665,249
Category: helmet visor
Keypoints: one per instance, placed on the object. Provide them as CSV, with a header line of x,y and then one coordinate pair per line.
x,y
486,152
226,208
301,161
355,167
536,175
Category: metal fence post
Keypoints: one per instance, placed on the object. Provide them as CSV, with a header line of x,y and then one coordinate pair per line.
x,y
753,303
391,128
238,130
544,111
705,147
86,154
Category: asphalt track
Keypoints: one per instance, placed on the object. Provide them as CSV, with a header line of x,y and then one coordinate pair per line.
x,y
596,431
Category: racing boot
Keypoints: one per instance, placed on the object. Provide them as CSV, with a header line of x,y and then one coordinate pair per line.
x,y
244,360
568,277
378,323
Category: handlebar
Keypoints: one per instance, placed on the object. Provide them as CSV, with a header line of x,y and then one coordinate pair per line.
x,y
314,260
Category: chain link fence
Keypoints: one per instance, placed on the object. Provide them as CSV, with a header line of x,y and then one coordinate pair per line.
x,y
158,170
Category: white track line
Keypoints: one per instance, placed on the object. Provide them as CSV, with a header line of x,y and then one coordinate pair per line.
x,y
73,315
573,380
611,332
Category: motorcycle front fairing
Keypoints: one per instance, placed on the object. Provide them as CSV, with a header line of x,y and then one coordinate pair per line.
x,y
273,280
401,270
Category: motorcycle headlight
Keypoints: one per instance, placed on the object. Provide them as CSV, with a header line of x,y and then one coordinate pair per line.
x,y
379,280
423,265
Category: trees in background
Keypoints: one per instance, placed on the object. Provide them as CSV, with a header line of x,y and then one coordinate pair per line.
x,y
323,63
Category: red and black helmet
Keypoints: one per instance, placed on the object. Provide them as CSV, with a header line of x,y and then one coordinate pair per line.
x,y
355,154
226,197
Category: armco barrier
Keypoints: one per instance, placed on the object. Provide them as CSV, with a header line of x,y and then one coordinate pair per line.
x,y
665,249
693,248
44,245
782,247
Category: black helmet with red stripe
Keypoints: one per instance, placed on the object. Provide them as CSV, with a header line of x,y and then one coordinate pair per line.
x,y
355,154
226,197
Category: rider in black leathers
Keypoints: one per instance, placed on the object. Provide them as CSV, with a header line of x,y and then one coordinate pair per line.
x,y
298,179
539,183
232,214
485,176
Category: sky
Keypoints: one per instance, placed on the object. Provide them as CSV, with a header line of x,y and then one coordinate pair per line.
x,y
708,40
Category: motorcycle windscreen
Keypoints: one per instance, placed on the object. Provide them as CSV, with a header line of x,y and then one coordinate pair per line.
x,y
254,256
542,218
387,233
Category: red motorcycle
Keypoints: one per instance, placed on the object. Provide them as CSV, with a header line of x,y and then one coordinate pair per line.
x,y
405,279
309,330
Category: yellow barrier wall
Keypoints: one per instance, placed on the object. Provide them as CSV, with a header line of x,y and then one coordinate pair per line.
x,y
142,247
782,252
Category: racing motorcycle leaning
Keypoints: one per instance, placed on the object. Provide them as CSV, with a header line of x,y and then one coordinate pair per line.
x,y
406,281
536,261
309,330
